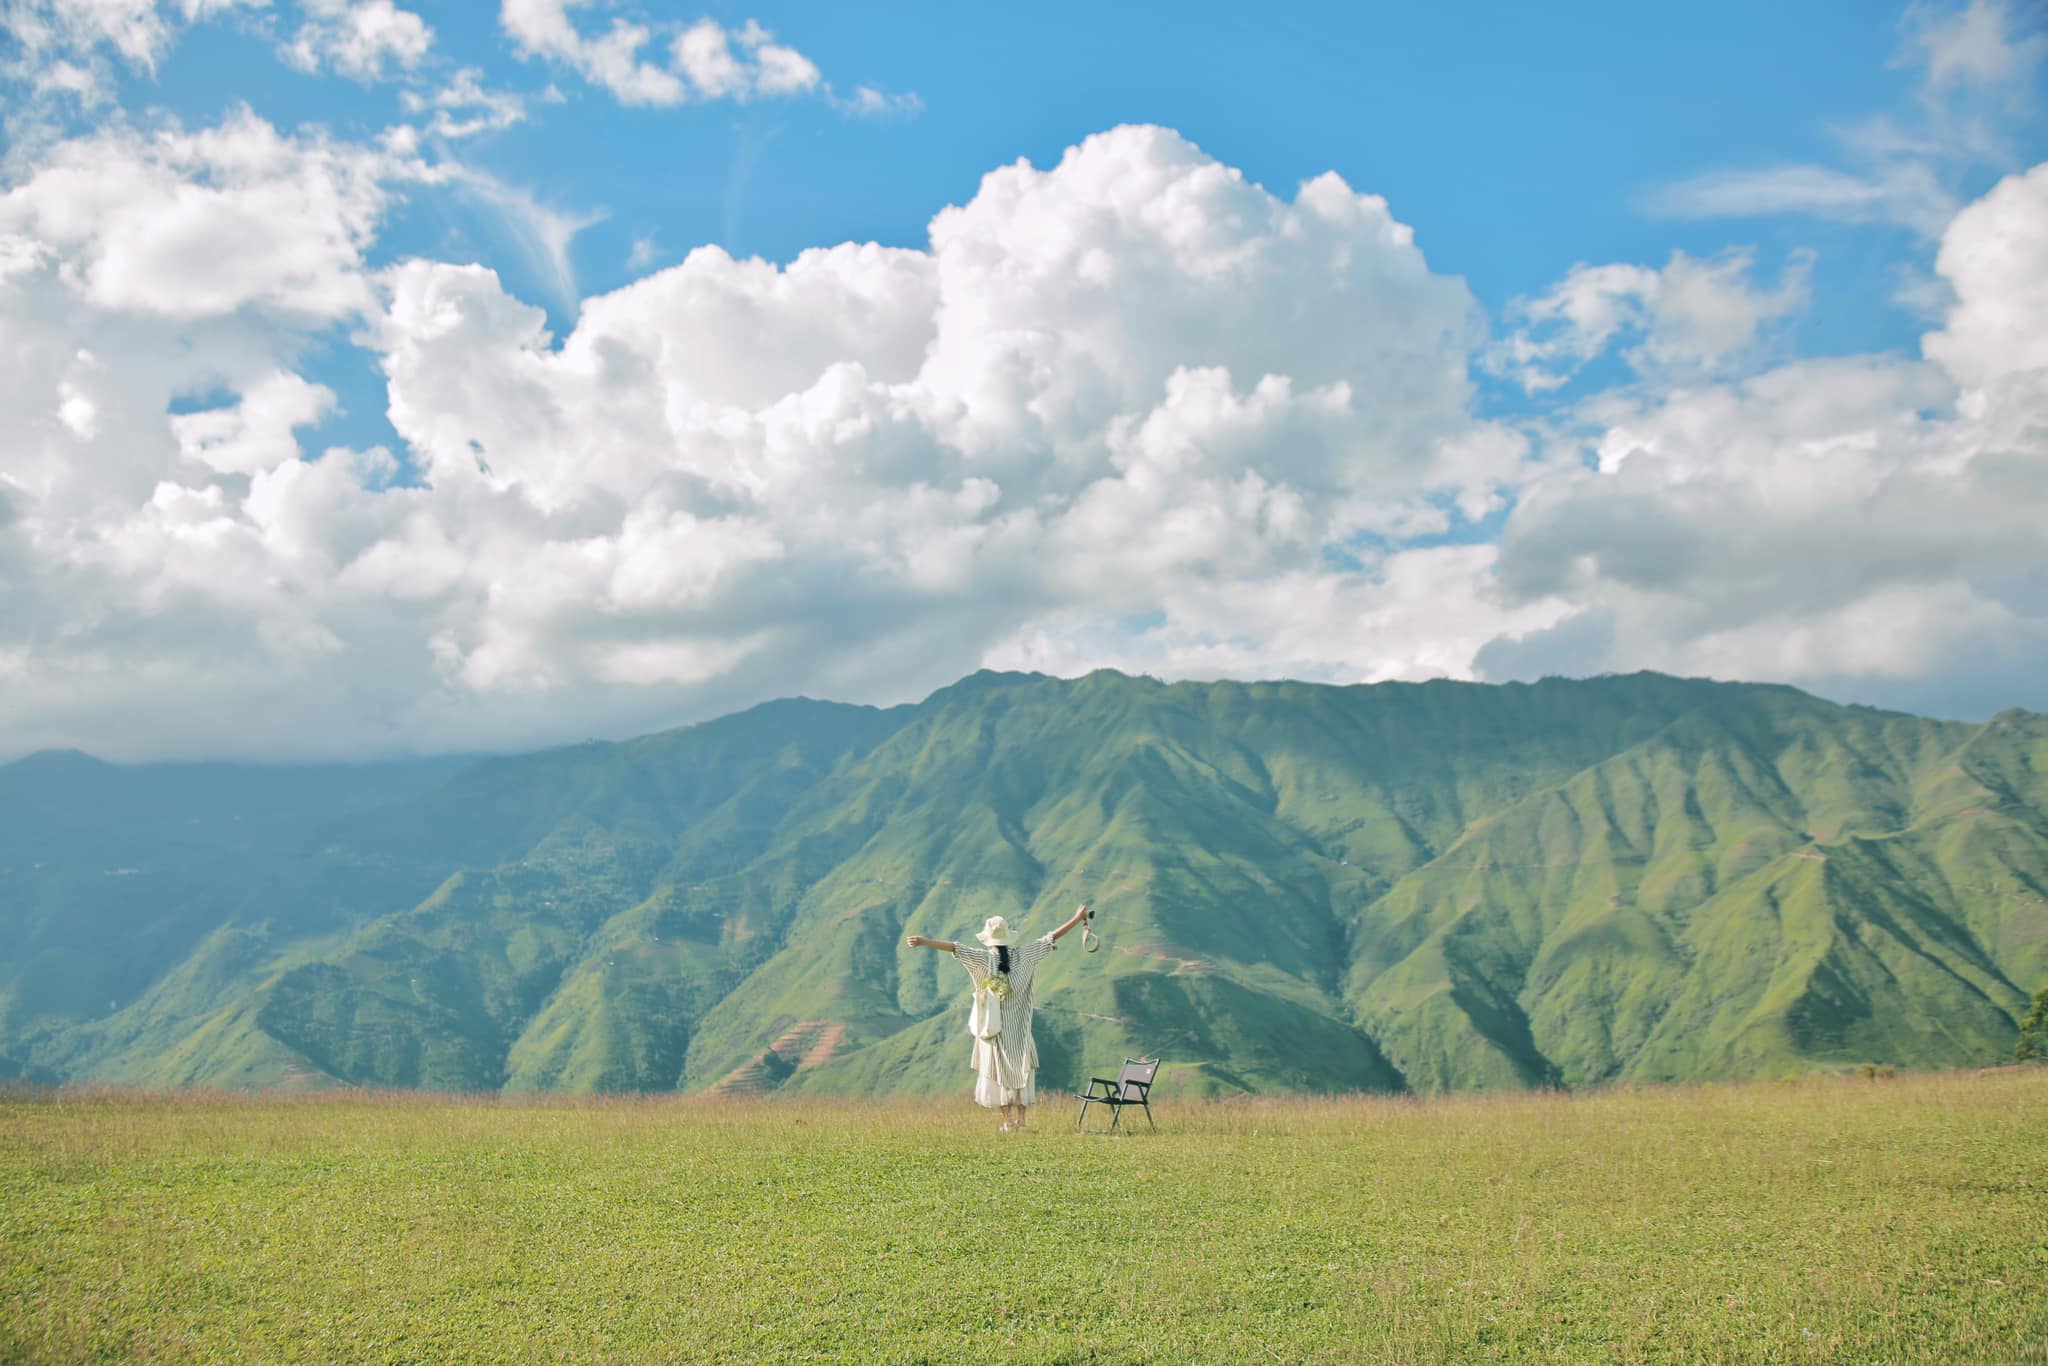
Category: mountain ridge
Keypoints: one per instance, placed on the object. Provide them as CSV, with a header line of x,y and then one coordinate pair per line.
x,y
1426,886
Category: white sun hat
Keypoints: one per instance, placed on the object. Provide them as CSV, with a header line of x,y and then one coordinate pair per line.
x,y
996,931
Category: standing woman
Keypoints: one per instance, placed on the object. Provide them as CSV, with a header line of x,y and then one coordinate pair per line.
x,y
1005,1055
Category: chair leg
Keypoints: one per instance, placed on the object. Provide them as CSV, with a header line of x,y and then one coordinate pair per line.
x,y
1148,1117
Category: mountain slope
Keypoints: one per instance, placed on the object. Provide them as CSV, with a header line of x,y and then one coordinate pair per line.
x,y
110,874
1750,888
1428,886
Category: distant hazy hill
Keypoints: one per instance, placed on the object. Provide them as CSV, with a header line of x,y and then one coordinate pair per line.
x,y
1431,886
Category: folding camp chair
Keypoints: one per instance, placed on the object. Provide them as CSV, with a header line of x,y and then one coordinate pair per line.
x,y
1133,1086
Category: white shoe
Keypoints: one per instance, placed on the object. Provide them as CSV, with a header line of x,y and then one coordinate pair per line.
x,y
1003,1129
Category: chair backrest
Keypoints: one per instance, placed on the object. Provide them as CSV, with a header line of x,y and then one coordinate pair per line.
x,y
1136,1079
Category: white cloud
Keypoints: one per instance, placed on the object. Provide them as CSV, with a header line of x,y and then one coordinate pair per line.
x,y
868,102
1422,613
463,107
135,29
1691,320
62,45
1977,72
780,70
358,38
255,434
542,234
146,551
1131,386
741,63
704,55
1071,296
192,224
542,28
1905,191
1995,257
707,61
1850,524
1128,409
1976,45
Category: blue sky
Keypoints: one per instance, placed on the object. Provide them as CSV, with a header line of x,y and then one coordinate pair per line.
x,y
1631,369
1517,142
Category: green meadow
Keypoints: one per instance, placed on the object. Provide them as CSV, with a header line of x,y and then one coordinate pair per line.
x,y
1832,1219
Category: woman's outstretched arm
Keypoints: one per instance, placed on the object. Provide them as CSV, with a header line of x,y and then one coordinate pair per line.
x,y
1076,918
918,941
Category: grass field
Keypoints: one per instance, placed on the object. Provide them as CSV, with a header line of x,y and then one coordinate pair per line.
x,y
1828,1220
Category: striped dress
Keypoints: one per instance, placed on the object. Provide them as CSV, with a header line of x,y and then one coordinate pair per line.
x,y
1005,1056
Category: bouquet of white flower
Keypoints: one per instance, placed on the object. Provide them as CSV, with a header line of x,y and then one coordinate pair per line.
x,y
998,986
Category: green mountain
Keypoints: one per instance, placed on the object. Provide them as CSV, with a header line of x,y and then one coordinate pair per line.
x,y
1434,886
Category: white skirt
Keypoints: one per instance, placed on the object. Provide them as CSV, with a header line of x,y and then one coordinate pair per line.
x,y
1002,1079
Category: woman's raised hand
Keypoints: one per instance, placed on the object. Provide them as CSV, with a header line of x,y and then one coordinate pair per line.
x,y
916,941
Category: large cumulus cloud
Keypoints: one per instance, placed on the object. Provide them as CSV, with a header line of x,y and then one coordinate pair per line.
x,y
1872,526
1131,409
1132,399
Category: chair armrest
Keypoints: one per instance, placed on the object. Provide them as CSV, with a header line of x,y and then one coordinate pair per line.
x,y
1109,1088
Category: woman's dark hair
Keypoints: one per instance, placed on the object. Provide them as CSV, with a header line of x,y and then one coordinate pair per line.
x,y
1003,958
